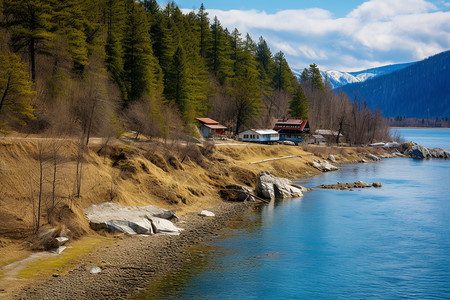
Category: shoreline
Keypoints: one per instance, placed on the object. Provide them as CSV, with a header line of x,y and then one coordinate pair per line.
x,y
396,127
132,263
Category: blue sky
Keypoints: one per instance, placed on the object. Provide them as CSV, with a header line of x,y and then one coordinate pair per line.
x,y
345,35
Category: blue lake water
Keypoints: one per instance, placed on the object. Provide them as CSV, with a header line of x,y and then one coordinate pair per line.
x,y
430,138
375,243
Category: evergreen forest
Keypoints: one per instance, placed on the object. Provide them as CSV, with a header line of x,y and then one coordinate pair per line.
x,y
103,67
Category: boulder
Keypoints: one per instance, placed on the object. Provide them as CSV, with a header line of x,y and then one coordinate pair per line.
x,y
323,165
51,238
376,184
95,270
332,158
206,213
420,152
361,184
164,226
439,153
131,219
237,193
271,187
372,157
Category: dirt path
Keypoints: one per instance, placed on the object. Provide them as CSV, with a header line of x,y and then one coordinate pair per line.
x,y
131,263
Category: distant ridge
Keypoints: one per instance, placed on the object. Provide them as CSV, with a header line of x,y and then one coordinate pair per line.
x,y
420,90
339,78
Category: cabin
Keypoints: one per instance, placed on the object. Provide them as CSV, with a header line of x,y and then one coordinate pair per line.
x,y
266,136
292,130
329,135
317,139
209,127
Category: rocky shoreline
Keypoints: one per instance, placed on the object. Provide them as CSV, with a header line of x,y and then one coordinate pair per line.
x,y
130,264
125,268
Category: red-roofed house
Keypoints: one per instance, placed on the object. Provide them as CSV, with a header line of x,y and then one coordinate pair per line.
x,y
209,127
291,129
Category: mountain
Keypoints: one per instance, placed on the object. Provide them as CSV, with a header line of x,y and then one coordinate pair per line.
x,y
420,90
338,78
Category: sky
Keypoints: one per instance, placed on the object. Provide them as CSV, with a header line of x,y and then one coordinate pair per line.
x,y
343,35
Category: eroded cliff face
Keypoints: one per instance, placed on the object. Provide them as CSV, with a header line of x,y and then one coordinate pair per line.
x,y
184,178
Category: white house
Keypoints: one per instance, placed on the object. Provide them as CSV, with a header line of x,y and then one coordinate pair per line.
x,y
259,136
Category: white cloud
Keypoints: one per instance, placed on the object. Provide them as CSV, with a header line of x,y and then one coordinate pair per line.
x,y
387,9
375,32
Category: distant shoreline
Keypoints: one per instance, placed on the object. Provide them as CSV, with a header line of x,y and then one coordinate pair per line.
x,y
396,127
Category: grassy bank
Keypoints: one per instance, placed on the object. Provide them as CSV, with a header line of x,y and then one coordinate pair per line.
x,y
186,178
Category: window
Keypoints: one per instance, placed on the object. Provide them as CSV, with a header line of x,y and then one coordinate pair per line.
x,y
245,136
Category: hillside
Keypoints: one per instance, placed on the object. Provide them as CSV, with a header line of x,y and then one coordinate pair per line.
x,y
421,90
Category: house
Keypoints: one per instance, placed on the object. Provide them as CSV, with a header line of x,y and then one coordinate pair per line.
x,y
291,129
329,135
259,136
317,139
209,127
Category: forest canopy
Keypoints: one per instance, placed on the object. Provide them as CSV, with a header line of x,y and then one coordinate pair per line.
x,y
102,66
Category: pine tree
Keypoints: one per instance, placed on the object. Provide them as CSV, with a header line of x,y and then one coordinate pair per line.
x,y
176,87
304,77
246,86
204,32
115,21
141,71
282,79
70,19
15,90
29,23
316,78
298,106
220,51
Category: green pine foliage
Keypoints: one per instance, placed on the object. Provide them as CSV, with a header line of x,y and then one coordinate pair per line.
x,y
298,107
30,24
156,58
15,91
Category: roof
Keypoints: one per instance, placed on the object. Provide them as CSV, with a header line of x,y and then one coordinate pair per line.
x,y
215,126
290,121
207,121
265,131
318,136
326,132
260,131
297,123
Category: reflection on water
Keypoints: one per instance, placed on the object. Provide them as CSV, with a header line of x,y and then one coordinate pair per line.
x,y
386,243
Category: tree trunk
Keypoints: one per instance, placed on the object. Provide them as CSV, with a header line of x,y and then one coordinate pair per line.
x,y
32,48
5,93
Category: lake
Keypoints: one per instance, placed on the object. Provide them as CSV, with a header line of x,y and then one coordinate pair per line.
x,y
428,137
376,243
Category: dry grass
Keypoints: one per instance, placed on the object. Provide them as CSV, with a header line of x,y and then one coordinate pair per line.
x,y
172,176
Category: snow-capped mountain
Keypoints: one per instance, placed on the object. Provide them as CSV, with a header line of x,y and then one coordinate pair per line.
x,y
338,78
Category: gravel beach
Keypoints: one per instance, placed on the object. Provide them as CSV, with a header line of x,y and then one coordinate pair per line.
x,y
130,264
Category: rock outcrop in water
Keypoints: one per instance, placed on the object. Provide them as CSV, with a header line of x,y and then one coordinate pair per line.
x,y
348,186
422,152
271,187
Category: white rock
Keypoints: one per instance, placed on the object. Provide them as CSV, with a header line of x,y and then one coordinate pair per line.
x,y
95,270
332,158
131,219
206,213
62,240
323,165
164,226
271,187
